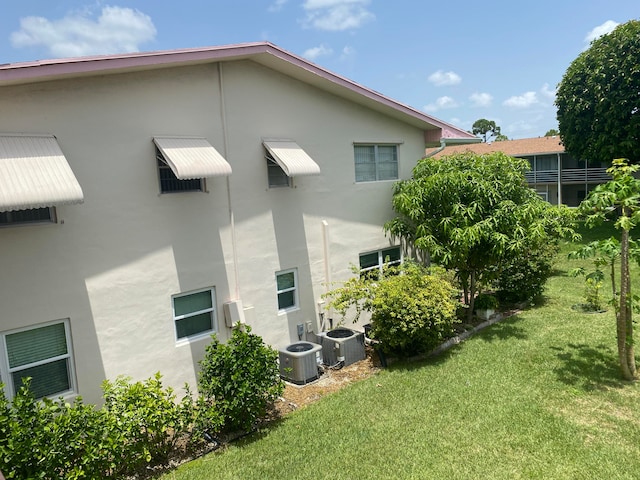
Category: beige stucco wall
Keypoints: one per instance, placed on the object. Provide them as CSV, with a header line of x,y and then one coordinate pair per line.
x,y
111,264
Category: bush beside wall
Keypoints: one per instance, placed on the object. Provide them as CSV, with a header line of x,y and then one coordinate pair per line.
x,y
141,424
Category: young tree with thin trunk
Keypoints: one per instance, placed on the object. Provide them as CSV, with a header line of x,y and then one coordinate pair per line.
x,y
620,198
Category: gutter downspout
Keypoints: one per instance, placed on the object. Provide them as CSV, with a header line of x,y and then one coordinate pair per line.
x,y
443,144
225,140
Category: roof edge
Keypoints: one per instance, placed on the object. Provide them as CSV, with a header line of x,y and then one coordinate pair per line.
x,y
43,70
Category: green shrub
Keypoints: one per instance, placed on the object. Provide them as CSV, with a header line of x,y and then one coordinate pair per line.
x,y
412,312
146,418
485,301
53,439
241,378
140,424
523,277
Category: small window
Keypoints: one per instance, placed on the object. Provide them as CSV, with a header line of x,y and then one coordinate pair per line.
x,y
194,313
276,175
169,183
32,215
376,162
287,285
372,263
44,355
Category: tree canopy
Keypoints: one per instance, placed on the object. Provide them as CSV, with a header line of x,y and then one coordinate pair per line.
x,y
598,98
473,214
486,129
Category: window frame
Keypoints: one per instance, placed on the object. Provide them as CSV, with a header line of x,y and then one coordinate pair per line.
x,y
379,267
294,289
213,310
52,218
7,372
377,162
163,166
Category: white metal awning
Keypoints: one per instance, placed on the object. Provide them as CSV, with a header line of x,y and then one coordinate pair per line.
x,y
291,158
34,173
192,157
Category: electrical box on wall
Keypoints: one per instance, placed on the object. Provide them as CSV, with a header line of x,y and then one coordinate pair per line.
x,y
233,313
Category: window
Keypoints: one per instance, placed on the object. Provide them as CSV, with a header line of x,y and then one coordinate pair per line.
x,y
376,162
372,263
546,162
42,353
287,285
32,215
194,313
169,183
275,173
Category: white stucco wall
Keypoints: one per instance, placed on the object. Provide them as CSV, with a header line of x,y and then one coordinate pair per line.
x,y
111,264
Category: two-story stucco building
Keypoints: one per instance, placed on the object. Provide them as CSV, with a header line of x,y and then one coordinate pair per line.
x,y
149,200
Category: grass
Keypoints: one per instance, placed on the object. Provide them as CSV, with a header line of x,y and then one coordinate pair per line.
x,y
536,396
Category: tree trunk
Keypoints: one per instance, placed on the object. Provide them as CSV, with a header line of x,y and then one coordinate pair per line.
x,y
472,296
624,325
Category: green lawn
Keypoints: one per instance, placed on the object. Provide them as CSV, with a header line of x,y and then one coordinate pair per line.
x,y
535,396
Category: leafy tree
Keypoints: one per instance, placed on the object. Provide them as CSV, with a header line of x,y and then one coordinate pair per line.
x,y
485,129
598,98
474,214
620,197
552,133
501,138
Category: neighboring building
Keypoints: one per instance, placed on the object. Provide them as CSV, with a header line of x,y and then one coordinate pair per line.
x,y
555,175
148,200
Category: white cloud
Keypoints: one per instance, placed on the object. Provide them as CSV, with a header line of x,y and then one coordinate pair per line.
x,y
440,104
522,101
441,78
481,99
337,15
277,5
600,30
347,52
548,92
315,52
117,29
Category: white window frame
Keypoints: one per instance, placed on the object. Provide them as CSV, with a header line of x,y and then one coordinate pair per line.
x,y
381,263
377,161
6,372
294,289
212,311
163,165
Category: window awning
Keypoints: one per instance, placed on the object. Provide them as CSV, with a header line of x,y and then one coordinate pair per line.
x,y
291,158
192,157
35,174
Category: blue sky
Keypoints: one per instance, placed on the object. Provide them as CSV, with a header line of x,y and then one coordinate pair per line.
x,y
458,61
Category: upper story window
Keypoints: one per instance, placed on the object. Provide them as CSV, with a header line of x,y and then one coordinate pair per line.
x,y
372,263
194,313
285,160
546,162
42,353
169,183
276,175
376,162
32,215
287,290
